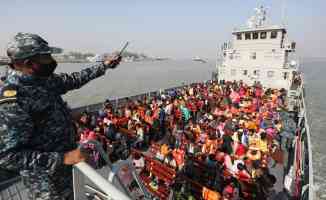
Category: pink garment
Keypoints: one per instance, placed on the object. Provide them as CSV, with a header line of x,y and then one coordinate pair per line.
x,y
270,132
235,97
227,162
242,92
91,136
258,92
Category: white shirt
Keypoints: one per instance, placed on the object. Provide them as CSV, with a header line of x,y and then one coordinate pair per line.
x,y
139,163
235,166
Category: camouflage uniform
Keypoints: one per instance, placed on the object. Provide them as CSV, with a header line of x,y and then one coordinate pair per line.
x,y
36,129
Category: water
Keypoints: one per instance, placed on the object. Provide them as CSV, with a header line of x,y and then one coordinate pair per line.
x,y
134,78
316,105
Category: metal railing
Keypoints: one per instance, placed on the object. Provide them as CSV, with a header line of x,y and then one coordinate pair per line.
x,y
106,190
309,187
88,183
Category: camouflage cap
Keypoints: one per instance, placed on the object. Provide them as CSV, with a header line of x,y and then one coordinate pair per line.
x,y
25,45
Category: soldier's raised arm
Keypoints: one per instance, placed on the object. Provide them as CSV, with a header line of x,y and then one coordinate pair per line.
x,y
64,82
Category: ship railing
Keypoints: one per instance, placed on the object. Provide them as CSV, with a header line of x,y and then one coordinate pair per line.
x,y
88,183
101,189
307,189
121,101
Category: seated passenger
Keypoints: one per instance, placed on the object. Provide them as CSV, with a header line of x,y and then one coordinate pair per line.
x,y
253,154
242,173
235,169
138,162
229,192
191,148
227,144
169,160
226,160
140,136
164,150
159,156
179,155
263,144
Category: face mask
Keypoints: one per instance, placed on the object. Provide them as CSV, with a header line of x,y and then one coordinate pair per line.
x,y
45,70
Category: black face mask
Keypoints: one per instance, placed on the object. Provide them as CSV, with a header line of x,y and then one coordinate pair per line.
x,y
45,70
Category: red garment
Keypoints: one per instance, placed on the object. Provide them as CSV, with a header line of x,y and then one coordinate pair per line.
x,y
122,121
243,175
200,104
178,113
178,155
229,190
191,106
241,150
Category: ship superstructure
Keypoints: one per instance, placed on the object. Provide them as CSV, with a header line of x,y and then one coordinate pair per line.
x,y
259,52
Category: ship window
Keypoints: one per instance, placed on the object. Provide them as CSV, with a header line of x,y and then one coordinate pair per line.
x,y
253,55
233,72
255,36
273,50
270,74
263,35
239,36
256,72
273,34
248,36
245,72
285,75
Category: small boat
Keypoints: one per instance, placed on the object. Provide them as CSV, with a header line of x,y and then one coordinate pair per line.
x,y
198,59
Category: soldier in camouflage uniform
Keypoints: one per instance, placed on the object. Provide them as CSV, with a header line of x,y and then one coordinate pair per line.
x,y
36,129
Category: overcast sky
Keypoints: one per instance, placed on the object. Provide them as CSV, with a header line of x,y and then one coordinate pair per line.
x,y
166,28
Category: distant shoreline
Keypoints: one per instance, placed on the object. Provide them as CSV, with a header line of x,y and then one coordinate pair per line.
x,y
134,61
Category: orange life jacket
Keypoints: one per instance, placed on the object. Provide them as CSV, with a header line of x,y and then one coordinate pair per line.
x,y
210,194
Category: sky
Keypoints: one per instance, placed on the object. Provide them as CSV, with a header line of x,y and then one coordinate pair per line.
x,y
166,28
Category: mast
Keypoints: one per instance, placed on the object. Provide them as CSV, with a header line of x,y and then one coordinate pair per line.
x,y
283,14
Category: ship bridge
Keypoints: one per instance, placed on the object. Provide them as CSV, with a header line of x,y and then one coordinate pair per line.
x,y
259,52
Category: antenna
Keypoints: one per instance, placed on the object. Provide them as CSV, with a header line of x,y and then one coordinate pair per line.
x,y
284,12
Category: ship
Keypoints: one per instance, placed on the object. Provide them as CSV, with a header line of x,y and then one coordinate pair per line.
x,y
198,59
260,55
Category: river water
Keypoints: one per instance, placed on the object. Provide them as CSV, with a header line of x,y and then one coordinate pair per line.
x,y
140,77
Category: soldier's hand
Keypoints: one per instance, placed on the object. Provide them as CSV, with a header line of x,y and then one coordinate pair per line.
x,y
112,61
73,157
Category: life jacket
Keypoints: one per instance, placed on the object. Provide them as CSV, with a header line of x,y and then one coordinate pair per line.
x,y
178,155
177,113
164,150
208,194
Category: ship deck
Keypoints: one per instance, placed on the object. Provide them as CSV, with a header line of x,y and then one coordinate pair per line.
x,y
15,189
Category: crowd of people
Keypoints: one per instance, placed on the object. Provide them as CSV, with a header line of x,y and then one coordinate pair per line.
x,y
220,137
